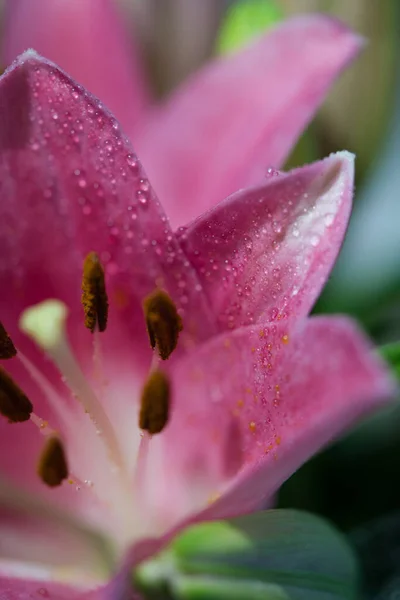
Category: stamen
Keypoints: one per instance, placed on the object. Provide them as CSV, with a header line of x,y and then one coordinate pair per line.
x,y
52,466
45,324
155,403
14,405
163,322
7,348
94,295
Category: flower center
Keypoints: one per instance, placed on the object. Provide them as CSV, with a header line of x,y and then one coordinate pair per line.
x,y
92,444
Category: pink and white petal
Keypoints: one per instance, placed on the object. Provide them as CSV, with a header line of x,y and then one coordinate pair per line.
x,y
240,115
261,401
70,183
34,533
266,252
87,39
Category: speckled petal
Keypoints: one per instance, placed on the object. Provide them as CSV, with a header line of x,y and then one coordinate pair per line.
x,y
266,252
70,184
240,115
268,399
86,39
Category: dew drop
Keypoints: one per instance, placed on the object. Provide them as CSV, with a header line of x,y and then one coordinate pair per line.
x,y
273,313
144,185
142,196
315,240
329,219
271,173
277,227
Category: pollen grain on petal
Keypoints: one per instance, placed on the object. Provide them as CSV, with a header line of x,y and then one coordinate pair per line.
x,y
94,295
155,403
163,322
7,348
14,404
52,465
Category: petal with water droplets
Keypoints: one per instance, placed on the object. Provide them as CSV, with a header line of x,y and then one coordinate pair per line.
x,y
289,393
71,184
240,115
266,252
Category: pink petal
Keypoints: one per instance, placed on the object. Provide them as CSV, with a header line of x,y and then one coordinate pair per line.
x,y
289,393
70,183
266,252
242,114
33,533
19,589
88,40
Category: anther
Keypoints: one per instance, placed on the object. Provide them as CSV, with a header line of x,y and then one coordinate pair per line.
x,y
52,466
155,403
163,322
14,405
94,295
7,348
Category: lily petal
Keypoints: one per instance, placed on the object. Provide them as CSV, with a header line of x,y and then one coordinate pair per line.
x,y
71,184
33,532
290,393
221,130
88,40
273,246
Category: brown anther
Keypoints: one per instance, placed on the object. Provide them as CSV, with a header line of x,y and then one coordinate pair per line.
x,y
52,466
163,322
14,405
7,348
155,403
94,295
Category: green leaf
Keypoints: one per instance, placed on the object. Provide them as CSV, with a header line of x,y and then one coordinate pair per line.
x,y
391,353
245,20
271,555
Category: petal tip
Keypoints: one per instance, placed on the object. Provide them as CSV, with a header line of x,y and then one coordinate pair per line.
x,y
329,24
28,56
343,160
329,29
331,174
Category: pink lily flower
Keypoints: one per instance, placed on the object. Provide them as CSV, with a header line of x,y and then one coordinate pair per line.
x,y
219,130
105,445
